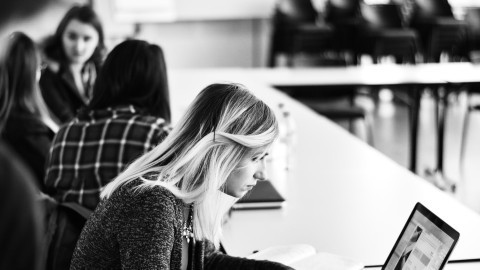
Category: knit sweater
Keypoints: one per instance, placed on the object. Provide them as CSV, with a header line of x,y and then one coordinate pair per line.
x,y
142,230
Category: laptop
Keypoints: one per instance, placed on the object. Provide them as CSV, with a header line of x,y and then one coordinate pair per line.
x,y
425,242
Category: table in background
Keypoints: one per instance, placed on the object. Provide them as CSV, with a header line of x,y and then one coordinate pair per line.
x,y
414,78
343,196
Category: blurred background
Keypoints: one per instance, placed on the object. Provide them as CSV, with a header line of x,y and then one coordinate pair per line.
x,y
209,33
304,33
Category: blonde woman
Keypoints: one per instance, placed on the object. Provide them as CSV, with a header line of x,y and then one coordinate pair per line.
x,y
165,210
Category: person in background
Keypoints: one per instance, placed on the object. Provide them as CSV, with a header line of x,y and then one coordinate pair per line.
x,y
128,115
28,128
73,56
165,210
21,215
21,226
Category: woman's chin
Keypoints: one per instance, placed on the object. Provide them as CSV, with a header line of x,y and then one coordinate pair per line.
x,y
240,192
238,195
243,193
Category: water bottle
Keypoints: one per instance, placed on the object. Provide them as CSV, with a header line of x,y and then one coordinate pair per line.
x,y
289,137
277,167
282,149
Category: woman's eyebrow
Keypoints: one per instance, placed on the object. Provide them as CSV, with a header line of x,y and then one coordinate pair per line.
x,y
261,154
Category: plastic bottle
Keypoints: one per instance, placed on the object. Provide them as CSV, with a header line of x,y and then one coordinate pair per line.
x,y
285,140
289,139
277,168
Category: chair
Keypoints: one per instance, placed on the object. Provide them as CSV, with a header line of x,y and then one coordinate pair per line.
x,y
335,103
441,35
64,223
472,19
344,16
439,31
295,31
383,34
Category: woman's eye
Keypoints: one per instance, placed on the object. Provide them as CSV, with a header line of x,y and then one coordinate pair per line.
x,y
72,36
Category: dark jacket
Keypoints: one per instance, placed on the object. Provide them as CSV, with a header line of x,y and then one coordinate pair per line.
x,y
21,216
61,94
30,138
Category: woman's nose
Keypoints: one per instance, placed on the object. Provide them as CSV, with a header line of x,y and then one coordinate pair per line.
x,y
261,173
79,45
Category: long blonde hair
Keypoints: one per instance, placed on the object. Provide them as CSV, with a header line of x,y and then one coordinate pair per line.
x,y
222,125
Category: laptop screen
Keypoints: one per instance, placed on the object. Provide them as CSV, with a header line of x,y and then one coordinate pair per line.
x,y
426,242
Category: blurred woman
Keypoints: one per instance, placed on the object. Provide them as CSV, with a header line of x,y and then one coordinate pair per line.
x,y
28,128
128,115
73,56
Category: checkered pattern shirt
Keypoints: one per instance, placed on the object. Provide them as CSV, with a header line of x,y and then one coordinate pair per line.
x,y
92,149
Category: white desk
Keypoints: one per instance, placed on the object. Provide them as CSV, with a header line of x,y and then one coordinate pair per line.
x,y
454,266
343,196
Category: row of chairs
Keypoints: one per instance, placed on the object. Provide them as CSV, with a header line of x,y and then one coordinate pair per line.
x,y
405,29
347,29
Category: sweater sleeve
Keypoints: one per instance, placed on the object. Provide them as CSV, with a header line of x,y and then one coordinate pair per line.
x,y
146,237
50,85
215,260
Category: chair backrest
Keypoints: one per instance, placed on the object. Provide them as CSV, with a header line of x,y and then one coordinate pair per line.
x,y
295,11
64,223
429,9
382,16
472,18
289,18
340,10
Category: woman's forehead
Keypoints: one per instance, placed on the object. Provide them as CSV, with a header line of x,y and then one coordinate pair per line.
x,y
259,150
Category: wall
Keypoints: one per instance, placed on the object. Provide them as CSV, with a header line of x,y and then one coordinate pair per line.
x,y
200,41
44,23
225,43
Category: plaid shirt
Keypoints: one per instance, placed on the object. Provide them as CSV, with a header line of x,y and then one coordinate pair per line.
x,y
92,149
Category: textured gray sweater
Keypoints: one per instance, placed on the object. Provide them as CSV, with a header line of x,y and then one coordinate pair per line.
x,y
142,230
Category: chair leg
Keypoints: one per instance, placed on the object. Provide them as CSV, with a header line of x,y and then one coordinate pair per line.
x,y
463,143
351,126
367,124
369,129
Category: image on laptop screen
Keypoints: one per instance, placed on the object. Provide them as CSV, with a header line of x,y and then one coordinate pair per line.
x,y
426,242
